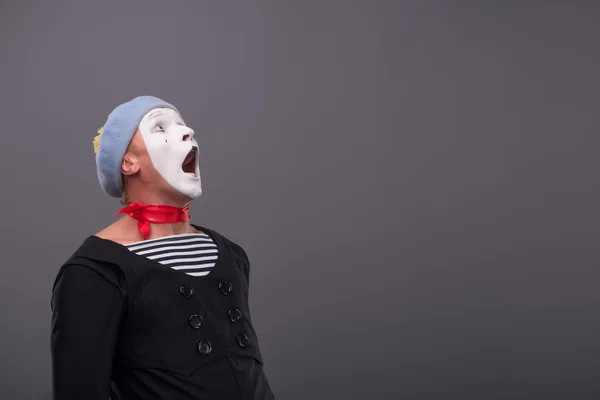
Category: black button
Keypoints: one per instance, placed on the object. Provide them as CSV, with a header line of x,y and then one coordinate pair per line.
x,y
225,287
195,321
243,340
186,291
234,314
204,348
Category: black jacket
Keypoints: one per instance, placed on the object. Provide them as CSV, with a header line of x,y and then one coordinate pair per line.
x,y
130,328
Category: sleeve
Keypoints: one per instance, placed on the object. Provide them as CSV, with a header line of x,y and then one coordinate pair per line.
x,y
241,253
247,266
246,272
86,314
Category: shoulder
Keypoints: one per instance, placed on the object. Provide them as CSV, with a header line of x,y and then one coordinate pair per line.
x,y
121,231
95,259
79,283
236,248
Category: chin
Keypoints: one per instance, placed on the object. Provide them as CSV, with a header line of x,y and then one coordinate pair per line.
x,y
195,194
190,192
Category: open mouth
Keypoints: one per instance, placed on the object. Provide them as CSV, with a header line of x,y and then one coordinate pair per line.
x,y
189,164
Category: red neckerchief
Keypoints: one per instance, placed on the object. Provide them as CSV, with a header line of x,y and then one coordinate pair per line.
x,y
154,213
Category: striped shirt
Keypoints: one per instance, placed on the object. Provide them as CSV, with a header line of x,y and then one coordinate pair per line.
x,y
194,254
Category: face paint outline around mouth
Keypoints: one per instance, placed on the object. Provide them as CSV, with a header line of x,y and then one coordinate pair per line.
x,y
186,166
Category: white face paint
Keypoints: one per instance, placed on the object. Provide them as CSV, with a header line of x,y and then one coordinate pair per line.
x,y
173,150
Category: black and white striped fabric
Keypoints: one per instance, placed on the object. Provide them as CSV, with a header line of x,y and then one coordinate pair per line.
x,y
194,254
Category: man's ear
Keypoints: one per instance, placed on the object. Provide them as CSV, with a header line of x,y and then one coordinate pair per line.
x,y
130,164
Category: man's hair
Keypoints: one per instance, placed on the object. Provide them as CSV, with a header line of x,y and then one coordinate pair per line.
x,y
124,200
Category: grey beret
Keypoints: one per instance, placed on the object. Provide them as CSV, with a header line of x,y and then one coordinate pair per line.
x,y
114,137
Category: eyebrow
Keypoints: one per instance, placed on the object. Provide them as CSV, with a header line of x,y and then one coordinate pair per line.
x,y
155,113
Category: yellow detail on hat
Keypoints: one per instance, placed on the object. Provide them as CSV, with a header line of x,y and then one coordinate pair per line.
x,y
97,140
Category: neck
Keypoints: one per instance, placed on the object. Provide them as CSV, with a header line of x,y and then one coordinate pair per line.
x,y
157,198
162,229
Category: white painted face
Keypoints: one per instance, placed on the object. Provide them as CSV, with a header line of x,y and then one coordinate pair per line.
x,y
173,150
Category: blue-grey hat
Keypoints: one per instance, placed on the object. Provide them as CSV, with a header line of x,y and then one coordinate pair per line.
x,y
114,137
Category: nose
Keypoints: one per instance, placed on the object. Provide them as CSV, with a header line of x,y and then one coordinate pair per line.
x,y
187,134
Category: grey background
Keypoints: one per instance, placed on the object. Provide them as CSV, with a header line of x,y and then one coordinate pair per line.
x,y
415,182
